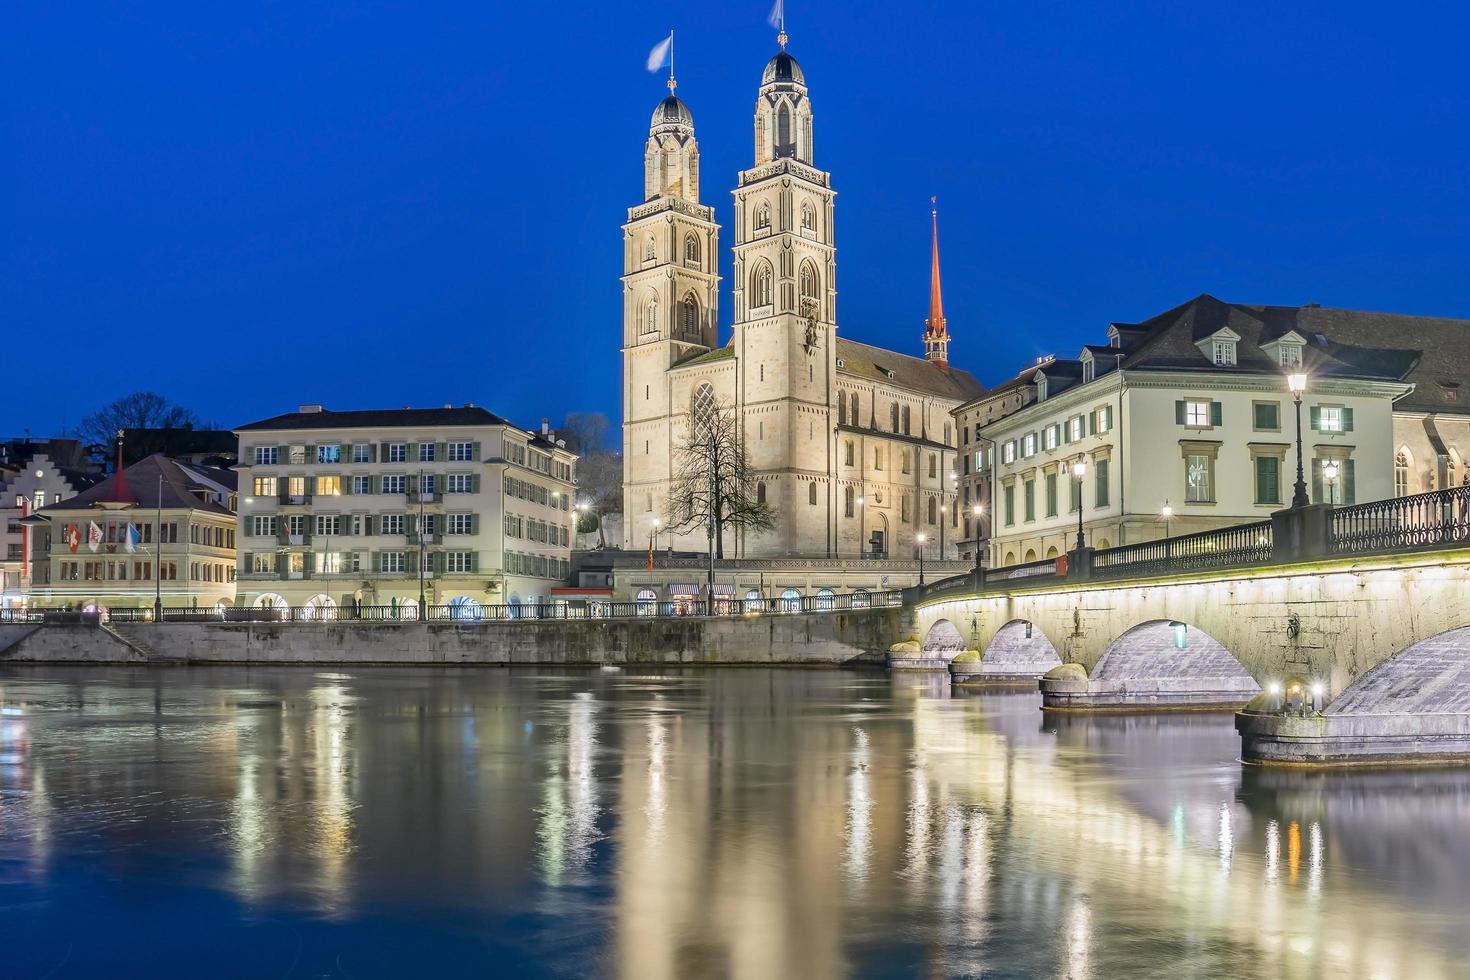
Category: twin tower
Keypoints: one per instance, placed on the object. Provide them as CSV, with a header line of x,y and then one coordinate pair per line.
x,y
780,371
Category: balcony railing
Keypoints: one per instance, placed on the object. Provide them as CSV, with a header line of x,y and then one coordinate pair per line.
x,y
1437,519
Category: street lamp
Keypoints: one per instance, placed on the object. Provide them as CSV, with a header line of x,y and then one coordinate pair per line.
x,y
977,511
921,539
1296,382
1079,470
1167,512
1329,474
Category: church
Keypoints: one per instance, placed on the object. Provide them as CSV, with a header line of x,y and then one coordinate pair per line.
x,y
853,446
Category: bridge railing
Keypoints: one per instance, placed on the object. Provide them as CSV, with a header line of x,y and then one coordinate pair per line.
x,y
479,613
1030,569
1438,519
1223,547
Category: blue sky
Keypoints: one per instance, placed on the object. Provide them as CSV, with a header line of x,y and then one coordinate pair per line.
x,y
247,206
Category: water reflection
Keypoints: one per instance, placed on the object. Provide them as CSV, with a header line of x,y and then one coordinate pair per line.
x,y
692,823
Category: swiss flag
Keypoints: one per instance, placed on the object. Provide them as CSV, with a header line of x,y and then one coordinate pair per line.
x,y
73,538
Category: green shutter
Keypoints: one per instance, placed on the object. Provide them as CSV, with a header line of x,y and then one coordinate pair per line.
x,y
475,482
248,558
383,454
1179,412
1347,423
1316,418
412,484
283,455
281,564
475,451
410,523
346,485
1092,423
1217,413
368,523
310,486
441,451
310,453
475,521
413,452
474,561
308,564
1349,483
373,452
283,492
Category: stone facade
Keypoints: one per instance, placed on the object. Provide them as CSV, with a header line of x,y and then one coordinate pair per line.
x,y
853,446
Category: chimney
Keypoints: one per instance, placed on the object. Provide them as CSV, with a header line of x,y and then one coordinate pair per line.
x,y
309,409
546,427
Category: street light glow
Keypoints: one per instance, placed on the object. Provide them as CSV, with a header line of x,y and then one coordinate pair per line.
x,y
1296,382
1079,468
978,510
1167,512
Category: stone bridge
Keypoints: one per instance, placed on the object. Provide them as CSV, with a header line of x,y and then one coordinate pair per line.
x,y
1354,622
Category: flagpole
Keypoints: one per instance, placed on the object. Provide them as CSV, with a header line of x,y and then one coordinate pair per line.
x,y
672,83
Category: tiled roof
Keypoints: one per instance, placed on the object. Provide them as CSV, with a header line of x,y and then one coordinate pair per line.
x,y
874,363
142,487
405,418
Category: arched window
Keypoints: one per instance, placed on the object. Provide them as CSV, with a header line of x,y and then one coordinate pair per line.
x,y
808,216
790,600
650,251
763,215
893,416
826,600
848,498
906,418
702,408
783,131
691,248
760,286
753,600
808,282
760,493
841,409
647,602
861,599
1401,463
811,494
931,510
689,315
854,409
933,464
650,314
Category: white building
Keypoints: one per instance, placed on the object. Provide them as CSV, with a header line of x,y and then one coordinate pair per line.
x,y
1190,411
852,445
348,508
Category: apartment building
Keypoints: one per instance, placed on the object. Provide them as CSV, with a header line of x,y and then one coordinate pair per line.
x,y
157,528
1184,422
977,456
30,479
373,507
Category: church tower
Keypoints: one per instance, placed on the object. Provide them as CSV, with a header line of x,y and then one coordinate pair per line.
x,y
670,294
936,333
785,317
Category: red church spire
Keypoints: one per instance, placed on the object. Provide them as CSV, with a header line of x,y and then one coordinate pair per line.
x,y
936,334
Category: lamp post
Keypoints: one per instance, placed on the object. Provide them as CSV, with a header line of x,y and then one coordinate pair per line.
x,y
1079,470
1296,382
1166,513
977,511
1329,474
921,538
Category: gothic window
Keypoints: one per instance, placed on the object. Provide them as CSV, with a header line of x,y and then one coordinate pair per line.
x,y
931,511
691,248
906,420
811,494
847,452
689,315
783,131
841,409
933,463
893,417
847,501
854,411
760,493
808,216
760,286
904,461
650,315
763,215
808,286
1401,464
649,250
703,409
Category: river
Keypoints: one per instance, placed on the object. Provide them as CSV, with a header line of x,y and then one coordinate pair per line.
x,y
233,822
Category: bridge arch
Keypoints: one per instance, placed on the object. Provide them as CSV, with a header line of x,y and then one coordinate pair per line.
x,y
1020,647
943,639
1168,649
1431,676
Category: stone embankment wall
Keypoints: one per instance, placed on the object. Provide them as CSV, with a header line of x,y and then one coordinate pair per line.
x,y
816,638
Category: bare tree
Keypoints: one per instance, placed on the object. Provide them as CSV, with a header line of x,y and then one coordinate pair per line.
x,y
140,410
586,433
714,486
600,488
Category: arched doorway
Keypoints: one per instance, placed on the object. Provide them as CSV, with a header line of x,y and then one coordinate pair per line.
x,y
647,602
465,607
826,600
319,606
753,600
790,600
275,603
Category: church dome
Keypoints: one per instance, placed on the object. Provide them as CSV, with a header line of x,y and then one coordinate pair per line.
x,y
672,111
783,68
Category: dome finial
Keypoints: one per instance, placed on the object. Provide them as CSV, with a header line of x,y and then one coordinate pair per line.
x,y
778,21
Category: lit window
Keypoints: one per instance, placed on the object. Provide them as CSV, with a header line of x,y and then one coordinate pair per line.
x,y
329,454
1074,429
1199,478
1028,445
329,486
1105,418
1052,436
1197,413
1008,452
265,486
1330,418
1290,355
1401,473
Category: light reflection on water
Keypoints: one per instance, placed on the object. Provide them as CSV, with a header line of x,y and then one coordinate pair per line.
x,y
737,823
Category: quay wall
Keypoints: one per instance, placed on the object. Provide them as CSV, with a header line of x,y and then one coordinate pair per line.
x,y
832,638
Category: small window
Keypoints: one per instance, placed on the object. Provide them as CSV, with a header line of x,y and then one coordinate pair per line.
x,y
811,494
1267,416
1197,414
1330,418
1075,430
1008,452
1028,445
1401,466
1224,353
808,216
760,493
1052,436
1290,355
1041,388
1089,366
691,248
1104,418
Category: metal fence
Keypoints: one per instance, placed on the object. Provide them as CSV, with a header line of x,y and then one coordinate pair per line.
x,y
1223,547
1438,519
1030,569
471,613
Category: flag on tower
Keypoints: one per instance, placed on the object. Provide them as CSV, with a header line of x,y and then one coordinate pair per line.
x,y
94,535
659,56
778,15
131,538
73,538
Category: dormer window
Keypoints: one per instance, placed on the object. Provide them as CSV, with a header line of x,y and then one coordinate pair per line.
x,y
1041,388
1224,353
1089,369
1289,355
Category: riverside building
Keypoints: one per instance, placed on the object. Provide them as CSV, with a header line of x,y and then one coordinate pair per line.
x,y
366,507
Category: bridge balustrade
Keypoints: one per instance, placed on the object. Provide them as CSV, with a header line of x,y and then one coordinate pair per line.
x,y
1440,518
1223,547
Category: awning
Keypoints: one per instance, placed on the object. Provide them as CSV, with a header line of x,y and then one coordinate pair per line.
x,y
684,588
724,589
